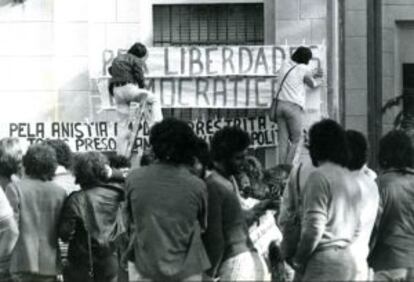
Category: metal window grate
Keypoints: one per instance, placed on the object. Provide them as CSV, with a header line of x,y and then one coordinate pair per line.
x,y
211,24
214,24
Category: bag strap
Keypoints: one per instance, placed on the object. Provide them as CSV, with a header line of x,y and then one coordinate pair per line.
x,y
298,185
89,239
91,272
283,81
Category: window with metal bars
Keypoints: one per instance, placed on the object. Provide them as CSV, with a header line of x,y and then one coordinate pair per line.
x,y
208,24
211,24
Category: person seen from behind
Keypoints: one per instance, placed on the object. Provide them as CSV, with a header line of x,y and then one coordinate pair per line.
x,y
290,216
331,209
127,86
167,205
10,163
393,254
289,103
91,221
37,203
365,178
63,175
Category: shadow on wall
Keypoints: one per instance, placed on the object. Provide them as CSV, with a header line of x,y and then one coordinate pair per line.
x,y
74,99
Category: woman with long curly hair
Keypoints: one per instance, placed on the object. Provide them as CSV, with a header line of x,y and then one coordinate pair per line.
x,y
91,222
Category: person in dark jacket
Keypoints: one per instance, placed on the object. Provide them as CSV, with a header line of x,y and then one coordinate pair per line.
x,y
91,222
127,86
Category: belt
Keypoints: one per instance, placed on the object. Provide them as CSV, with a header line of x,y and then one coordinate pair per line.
x,y
332,247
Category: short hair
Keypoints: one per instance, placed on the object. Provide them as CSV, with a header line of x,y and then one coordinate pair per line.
x,y
228,141
90,168
358,149
11,155
302,55
396,150
63,152
173,141
40,162
138,49
327,142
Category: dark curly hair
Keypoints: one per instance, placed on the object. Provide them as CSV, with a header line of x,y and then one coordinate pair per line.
x,y
302,55
396,150
358,149
228,141
11,155
138,49
63,152
173,141
90,169
327,142
40,162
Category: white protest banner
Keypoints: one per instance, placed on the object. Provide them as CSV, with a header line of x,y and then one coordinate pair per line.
x,y
212,77
80,136
102,135
214,92
264,230
207,61
262,131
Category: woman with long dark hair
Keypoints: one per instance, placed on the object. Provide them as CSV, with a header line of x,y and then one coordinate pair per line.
x,y
91,222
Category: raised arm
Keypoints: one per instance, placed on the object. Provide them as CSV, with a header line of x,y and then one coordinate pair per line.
x,y
313,78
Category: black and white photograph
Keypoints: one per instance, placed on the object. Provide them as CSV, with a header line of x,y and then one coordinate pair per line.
x,y
206,140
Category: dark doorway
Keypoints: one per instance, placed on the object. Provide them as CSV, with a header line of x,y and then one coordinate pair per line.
x,y
408,98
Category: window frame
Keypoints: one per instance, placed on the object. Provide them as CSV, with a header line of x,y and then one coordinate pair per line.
x,y
203,2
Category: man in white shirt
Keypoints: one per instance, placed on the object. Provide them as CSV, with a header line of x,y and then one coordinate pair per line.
x,y
365,178
295,75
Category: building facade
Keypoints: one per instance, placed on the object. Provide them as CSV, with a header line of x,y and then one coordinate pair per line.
x,y
52,49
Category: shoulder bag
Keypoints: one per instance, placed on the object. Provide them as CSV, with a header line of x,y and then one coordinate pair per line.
x,y
275,101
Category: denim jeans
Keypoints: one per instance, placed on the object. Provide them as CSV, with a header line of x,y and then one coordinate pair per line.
x,y
332,264
289,122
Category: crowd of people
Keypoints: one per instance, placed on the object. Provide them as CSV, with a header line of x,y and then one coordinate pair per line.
x,y
186,212
181,215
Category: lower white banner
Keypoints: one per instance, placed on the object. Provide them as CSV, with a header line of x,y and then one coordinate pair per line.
x,y
102,135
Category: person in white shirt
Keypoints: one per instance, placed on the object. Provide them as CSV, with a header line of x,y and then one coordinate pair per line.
x,y
295,76
365,178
